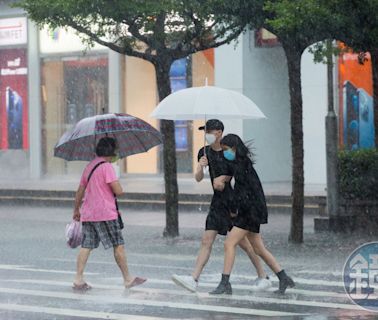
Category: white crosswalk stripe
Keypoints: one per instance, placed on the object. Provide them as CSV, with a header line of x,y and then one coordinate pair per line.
x,y
27,268
74,312
178,291
140,302
307,298
211,297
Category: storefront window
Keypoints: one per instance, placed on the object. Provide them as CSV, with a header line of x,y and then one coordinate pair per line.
x,y
85,84
72,88
180,79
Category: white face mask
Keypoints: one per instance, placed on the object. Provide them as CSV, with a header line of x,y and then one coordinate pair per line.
x,y
210,138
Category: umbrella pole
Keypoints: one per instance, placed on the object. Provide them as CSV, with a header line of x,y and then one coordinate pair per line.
x,y
204,136
204,140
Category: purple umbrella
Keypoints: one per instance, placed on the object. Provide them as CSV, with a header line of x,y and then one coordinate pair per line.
x,y
132,134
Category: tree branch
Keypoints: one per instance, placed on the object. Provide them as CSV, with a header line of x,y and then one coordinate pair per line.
x,y
126,49
205,44
134,30
159,32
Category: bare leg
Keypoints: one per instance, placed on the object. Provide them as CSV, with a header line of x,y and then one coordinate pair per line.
x,y
82,259
120,258
235,236
255,259
258,245
208,239
284,280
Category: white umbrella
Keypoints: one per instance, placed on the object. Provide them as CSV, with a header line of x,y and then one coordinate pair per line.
x,y
205,103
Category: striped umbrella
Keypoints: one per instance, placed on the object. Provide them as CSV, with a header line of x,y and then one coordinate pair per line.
x,y
132,134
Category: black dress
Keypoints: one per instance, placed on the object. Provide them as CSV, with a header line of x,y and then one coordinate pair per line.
x,y
219,218
248,199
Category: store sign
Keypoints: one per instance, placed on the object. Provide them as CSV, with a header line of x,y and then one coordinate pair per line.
x,y
62,40
13,31
13,67
264,38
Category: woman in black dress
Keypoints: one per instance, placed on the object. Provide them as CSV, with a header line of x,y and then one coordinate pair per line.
x,y
249,205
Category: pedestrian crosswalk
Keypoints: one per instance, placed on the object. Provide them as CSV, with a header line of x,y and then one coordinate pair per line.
x,y
73,312
47,291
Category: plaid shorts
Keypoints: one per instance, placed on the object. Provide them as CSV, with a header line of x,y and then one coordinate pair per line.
x,y
108,232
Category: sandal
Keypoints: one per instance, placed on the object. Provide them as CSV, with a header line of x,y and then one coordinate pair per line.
x,y
81,287
136,282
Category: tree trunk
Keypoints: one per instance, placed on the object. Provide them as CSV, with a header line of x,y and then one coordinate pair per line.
x,y
374,65
294,68
162,68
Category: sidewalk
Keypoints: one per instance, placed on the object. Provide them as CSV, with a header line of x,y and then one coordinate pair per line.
x,y
153,184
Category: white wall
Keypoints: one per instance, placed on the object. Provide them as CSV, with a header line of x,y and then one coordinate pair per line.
x,y
7,11
266,83
314,89
262,75
228,73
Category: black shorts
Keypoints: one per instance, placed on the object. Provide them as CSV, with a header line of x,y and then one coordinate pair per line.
x,y
246,223
219,219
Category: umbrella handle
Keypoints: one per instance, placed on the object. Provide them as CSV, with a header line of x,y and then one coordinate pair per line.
x,y
204,144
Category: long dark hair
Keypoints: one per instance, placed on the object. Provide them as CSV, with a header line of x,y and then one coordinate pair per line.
x,y
243,151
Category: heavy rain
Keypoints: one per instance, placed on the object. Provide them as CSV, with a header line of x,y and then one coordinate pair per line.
x,y
188,160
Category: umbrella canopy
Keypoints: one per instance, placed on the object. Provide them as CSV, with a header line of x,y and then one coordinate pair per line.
x,y
133,135
205,103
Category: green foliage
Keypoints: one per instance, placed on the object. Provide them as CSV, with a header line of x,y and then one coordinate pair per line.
x,y
302,22
310,22
358,172
353,22
297,16
356,23
146,29
321,51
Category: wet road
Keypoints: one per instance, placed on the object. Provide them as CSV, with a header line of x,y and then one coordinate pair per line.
x,y
36,272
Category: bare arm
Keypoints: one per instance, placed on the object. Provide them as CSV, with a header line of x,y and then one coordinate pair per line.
x,y
116,187
227,178
219,182
78,200
199,173
203,162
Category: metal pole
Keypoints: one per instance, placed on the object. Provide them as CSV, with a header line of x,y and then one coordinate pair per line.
x,y
331,141
34,89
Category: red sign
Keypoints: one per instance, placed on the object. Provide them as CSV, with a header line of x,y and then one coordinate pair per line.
x,y
13,99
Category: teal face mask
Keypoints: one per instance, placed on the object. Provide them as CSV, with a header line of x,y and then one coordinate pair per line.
x,y
229,154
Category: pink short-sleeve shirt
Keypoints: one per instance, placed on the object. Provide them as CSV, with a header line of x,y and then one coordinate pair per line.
x,y
98,203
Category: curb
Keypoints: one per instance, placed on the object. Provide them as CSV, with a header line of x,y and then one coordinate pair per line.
x,y
148,201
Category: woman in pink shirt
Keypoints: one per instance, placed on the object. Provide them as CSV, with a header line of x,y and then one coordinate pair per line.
x,y
95,207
